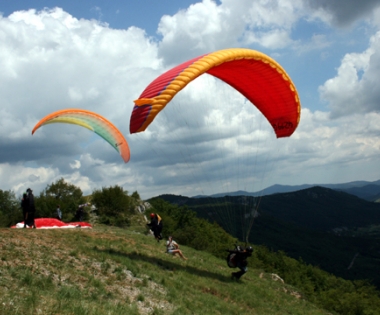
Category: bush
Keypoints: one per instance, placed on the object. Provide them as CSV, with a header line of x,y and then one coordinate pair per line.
x,y
10,209
68,196
183,224
113,206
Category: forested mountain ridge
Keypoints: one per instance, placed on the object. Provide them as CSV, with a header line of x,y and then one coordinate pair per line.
x,y
316,208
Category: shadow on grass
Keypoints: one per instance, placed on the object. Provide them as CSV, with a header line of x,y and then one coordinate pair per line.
x,y
166,265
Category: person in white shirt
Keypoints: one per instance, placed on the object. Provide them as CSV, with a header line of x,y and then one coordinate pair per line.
x,y
173,248
59,213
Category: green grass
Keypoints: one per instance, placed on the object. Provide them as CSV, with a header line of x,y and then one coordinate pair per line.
x,y
121,271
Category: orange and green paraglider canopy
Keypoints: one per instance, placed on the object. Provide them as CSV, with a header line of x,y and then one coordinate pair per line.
x,y
255,75
93,122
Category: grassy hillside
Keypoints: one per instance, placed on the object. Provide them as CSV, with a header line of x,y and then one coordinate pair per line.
x,y
108,270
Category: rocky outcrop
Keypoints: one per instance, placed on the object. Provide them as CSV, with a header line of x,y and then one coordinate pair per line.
x,y
143,206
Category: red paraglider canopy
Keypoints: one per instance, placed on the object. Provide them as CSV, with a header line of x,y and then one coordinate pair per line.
x,y
255,75
50,223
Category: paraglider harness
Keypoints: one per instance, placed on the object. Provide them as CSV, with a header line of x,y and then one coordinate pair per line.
x,y
233,257
231,260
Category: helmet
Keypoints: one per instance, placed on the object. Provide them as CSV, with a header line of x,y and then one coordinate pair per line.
x,y
152,215
249,249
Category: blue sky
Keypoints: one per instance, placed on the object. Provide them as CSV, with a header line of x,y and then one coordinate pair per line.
x,y
100,55
145,14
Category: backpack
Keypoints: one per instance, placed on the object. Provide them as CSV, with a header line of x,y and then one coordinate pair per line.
x,y
231,260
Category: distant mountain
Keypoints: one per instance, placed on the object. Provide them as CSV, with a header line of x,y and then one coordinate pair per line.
x,y
369,192
363,189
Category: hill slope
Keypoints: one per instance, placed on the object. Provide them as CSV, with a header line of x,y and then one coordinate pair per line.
x,y
114,271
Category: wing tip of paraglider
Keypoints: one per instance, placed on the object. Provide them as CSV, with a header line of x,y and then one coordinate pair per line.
x,y
35,128
136,129
140,115
125,153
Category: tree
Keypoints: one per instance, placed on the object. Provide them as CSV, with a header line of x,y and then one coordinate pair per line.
x,y
67,195
136,196
183,224
113,205
10,209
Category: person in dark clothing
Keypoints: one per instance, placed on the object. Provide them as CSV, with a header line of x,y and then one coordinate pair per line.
x,y
237,258
155,226
80,212
31,209
24,206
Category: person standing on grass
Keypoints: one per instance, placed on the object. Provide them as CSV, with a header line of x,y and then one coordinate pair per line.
x,y
24,206
173,248
80,211
31,209
59,213
155,226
